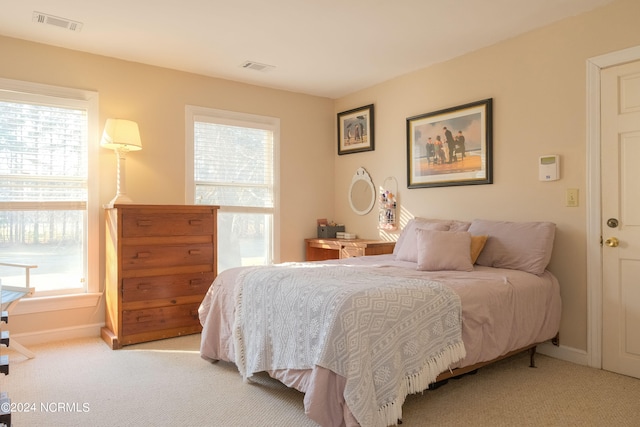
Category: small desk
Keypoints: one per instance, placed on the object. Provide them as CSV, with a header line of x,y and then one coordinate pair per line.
x,y
326,248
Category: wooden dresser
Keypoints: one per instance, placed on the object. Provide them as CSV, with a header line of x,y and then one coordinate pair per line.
x,y
323,249
160,262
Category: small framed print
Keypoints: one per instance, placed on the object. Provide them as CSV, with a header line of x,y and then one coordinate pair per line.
x,y
451,146
355,130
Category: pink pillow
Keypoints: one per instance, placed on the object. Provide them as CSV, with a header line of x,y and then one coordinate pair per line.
x,y
525,246
407,246
444,250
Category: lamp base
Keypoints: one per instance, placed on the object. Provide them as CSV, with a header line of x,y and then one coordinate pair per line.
x,y
119,199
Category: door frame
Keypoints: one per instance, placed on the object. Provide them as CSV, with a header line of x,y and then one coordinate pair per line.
x,y
594,217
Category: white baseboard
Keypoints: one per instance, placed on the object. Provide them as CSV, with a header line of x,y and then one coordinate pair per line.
x,y
61,334
569,354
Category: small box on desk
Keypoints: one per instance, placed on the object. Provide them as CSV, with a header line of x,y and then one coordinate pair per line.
x,y
328,231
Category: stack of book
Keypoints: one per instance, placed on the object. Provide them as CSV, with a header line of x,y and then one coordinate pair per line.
x,y
343,235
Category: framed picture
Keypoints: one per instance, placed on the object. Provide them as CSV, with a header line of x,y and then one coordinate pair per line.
x,y
355,130
451,147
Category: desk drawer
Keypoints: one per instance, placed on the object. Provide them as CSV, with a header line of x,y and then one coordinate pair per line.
x,y
351,251
325,244
156,256
161,287
166,224
156,319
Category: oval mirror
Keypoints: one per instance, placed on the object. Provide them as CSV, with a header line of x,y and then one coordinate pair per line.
x,y
362,194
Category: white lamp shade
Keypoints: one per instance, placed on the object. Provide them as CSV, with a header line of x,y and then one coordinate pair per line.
x,y
121,134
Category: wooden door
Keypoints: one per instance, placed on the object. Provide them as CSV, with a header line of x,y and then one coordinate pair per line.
x,y
620,177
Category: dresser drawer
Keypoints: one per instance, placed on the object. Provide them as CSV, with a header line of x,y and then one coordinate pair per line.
x,y
155,256
166,224
161,287
156,319
160,263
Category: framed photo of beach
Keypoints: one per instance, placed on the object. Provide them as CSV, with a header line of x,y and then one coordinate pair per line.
x,y
355,130
451,147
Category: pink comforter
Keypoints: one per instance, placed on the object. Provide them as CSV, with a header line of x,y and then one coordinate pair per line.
x,y
502,310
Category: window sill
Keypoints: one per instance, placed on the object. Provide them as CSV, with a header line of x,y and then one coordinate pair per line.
x,y
56,303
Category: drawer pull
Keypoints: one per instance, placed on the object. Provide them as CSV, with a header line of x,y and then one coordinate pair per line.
x,y
195,251
143,254
141,319
144,286
144,222
195,222
195,282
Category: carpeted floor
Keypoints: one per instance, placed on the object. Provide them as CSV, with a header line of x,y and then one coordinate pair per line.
x,y
84,383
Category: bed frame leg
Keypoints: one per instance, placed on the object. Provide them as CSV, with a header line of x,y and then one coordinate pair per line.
x,y
532,357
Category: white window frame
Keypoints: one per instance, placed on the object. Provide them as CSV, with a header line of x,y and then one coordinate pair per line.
x,y
232,118
87,100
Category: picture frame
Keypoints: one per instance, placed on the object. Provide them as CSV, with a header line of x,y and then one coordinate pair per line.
x,y
356,130
438,157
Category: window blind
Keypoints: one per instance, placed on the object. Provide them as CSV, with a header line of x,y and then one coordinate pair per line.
x,y
233,165
43,153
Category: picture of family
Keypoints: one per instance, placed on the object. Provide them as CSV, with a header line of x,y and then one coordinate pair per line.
x,y
450,147
445,147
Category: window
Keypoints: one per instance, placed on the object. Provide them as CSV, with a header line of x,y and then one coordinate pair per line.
x,y
47,146
232,163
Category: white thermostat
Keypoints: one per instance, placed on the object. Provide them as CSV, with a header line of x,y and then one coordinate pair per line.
x,y
549,167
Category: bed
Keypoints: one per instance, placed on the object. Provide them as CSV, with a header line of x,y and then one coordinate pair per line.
x,y
358,335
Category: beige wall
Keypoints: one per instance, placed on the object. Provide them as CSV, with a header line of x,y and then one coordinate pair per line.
x,y
537,82
538,85
156,99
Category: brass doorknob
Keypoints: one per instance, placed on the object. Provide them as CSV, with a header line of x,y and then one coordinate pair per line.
x,y
612,242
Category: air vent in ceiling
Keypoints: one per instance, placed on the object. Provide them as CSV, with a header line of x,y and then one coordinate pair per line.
x,y
56,21
252,65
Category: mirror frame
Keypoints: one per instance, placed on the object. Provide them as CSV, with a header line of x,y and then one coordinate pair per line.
x,y
362,175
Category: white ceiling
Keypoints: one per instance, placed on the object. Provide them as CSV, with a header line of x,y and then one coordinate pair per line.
x,y
328,48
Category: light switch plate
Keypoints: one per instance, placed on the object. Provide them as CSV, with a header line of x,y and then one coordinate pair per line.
x,y
572,197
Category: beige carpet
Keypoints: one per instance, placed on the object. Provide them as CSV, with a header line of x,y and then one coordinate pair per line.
x,y
84,383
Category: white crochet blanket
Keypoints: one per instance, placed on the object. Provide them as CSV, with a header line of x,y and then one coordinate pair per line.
x,y
389,336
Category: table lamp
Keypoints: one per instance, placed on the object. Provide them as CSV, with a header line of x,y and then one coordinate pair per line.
x,y
122,136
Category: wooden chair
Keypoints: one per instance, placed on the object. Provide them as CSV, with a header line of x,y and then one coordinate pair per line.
x,y
10,297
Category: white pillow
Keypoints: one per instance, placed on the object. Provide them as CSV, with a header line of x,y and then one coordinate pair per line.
x,y
444,250
522,246
407,245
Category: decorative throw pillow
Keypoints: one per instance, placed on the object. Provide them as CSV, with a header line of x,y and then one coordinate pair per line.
x,y
522,246
407,246
477,244
444,250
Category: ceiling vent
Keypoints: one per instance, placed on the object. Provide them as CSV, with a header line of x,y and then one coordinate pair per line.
x,y
56,21
252,65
